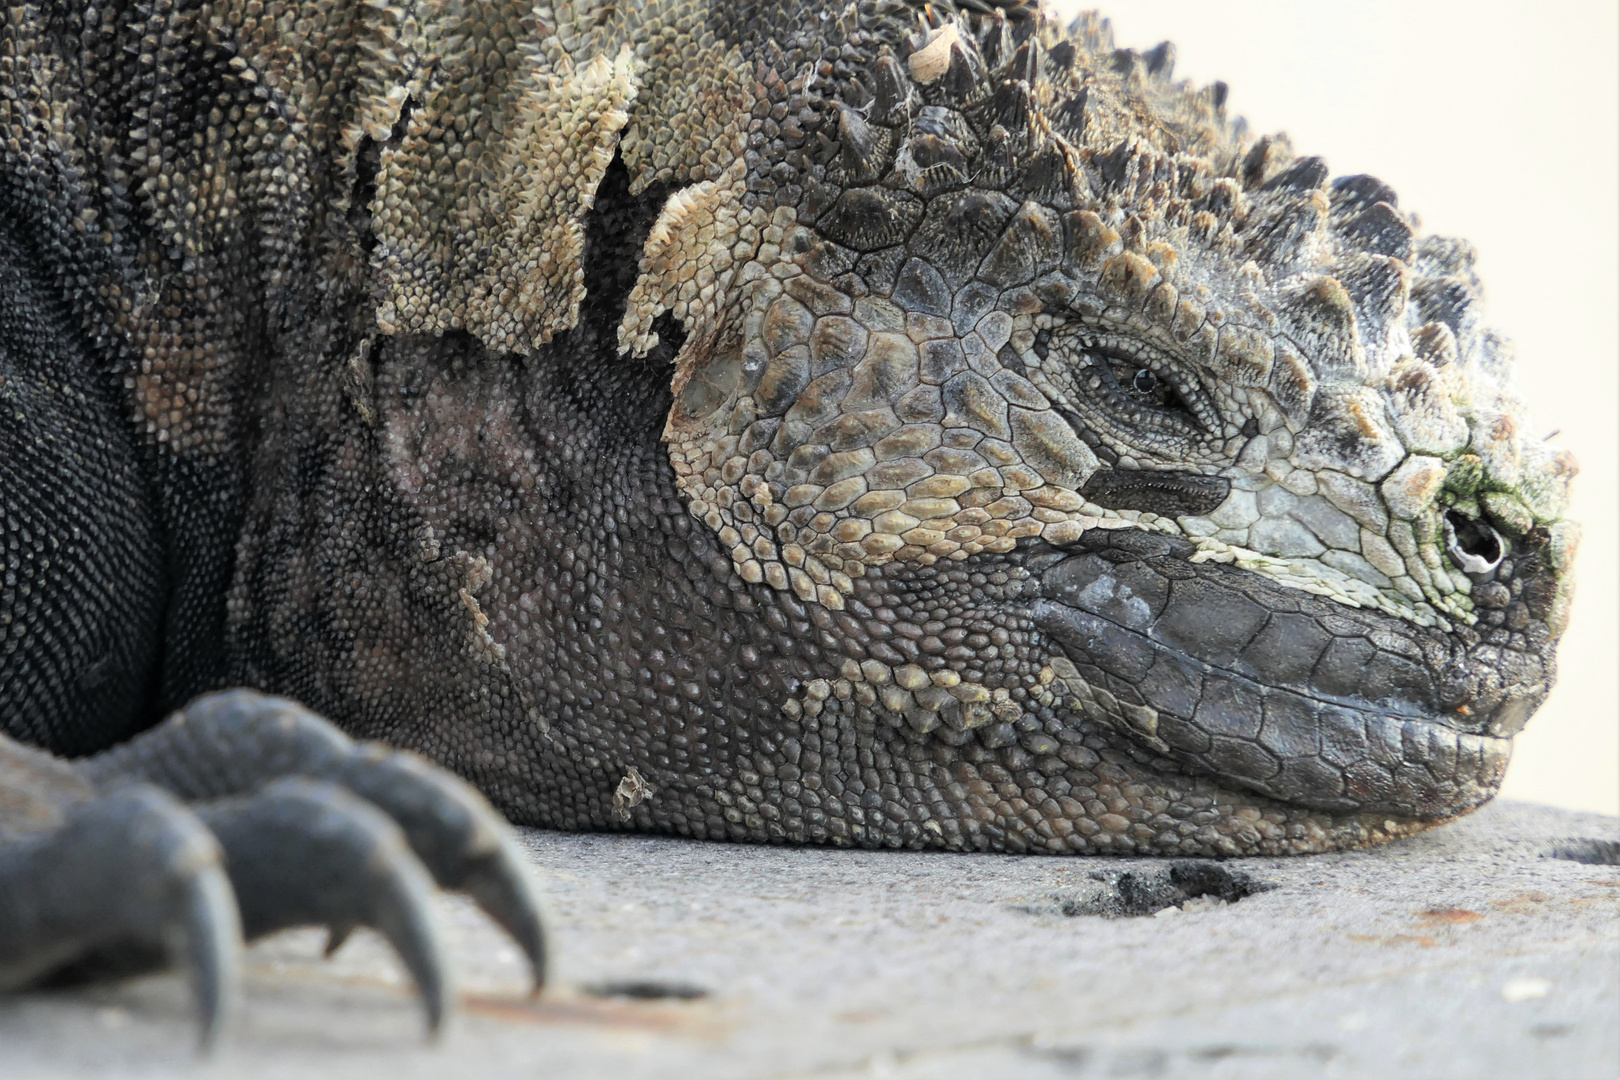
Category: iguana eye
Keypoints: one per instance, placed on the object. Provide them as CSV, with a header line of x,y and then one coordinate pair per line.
x,y
1146,387
1131,394
1126,382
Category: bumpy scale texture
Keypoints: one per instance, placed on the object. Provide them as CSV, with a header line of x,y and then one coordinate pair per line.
x,y
768,421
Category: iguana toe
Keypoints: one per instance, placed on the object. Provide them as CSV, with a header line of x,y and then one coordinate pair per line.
x,y
306,852
130,880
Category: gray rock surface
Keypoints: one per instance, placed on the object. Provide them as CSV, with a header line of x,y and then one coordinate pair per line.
x,y
1466,952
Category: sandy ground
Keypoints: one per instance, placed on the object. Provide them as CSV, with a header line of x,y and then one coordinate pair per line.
x,y
1469,952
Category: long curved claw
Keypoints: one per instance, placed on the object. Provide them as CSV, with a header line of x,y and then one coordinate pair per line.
x,y
458,836
211,943
501,887
128,878
307,852
404,914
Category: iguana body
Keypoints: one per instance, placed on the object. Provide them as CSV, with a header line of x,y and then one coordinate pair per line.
x,y
757,422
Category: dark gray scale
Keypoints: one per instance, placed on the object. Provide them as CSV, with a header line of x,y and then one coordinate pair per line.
x,y
83,580
1163,492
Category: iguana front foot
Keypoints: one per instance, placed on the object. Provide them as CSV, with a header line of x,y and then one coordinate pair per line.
x,y
119,863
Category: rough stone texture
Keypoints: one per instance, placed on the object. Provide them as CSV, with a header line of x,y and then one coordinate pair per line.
x,y
1462,952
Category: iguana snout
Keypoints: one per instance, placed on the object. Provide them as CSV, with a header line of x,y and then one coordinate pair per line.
x,y
1295,696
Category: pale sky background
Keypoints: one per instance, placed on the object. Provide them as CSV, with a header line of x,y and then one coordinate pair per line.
x,y
1498,122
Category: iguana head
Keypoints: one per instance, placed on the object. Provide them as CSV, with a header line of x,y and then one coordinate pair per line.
x,y
1088,417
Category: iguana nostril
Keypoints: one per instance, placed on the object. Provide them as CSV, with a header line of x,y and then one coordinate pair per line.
x,y
1473,544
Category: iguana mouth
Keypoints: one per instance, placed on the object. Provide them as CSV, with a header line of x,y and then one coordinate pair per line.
x,y
1226,672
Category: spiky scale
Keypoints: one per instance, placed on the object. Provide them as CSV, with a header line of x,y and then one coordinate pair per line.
x,y
998,160
870,219
964,79
1448,300
1379,230
997,43
1435,344
1050,175
1353,194
1120,166
930,151
1161,60
1269,155
857,146
1026,62
1322,318
1012,108
1069,116
1306,174
891,89
1442,256
1060,59
1379,287
1222,198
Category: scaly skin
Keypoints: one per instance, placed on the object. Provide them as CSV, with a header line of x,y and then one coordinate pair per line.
x,y
780,423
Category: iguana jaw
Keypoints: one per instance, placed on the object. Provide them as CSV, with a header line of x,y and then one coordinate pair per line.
x,y
1216,670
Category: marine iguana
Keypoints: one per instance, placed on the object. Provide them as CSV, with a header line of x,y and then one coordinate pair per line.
x,y
868,424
